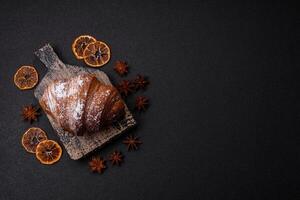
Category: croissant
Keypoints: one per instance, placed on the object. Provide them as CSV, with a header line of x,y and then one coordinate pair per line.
x,y
82,104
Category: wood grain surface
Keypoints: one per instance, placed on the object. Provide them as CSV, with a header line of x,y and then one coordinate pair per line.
x,y
77,146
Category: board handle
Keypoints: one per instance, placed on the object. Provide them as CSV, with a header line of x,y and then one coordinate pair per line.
x,y
48,56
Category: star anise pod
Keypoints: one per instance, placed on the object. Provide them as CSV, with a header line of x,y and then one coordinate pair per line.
x,y
125,87
132,142
97,164
121,67
141,103
140,82
116,158
30,113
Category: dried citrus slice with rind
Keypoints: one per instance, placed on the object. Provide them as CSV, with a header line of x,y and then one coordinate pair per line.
x,y
26,77
48,152
96,54
80,43
32,137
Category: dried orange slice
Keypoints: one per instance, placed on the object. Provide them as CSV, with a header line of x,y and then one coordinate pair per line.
x,y
48,152
80,44
26,77
32,137
96,54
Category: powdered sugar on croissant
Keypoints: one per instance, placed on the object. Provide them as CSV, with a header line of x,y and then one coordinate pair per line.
x,y
82,104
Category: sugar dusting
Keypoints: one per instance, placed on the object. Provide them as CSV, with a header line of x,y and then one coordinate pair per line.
x,y
67,100
78,110
60,89
80,82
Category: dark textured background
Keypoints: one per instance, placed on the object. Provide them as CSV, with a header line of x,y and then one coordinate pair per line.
x,y
223,107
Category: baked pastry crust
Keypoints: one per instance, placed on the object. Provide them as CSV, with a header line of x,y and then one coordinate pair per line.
x,y
82,104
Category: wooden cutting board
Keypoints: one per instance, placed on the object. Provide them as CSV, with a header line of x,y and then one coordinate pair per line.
x,y
77,146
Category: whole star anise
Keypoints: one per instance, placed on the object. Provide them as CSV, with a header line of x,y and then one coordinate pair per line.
x,y
116,158
141,103
132,142
140,82
30,113
125,87
97,164
121,67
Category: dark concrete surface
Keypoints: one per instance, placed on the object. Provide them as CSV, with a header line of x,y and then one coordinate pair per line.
x,y
223,114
